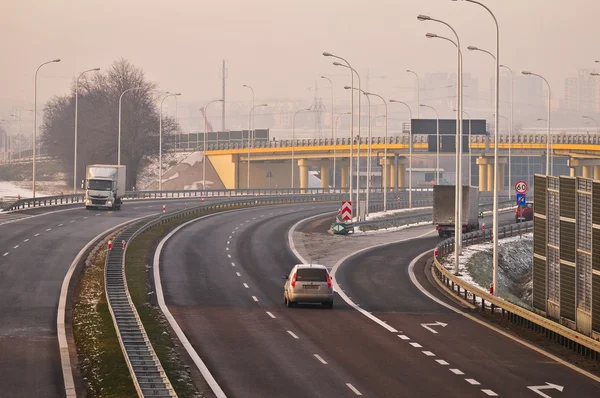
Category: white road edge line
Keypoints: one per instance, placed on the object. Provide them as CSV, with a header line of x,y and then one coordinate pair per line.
x,y
320,359
271,315
413,278
354,390
63,345
293,335
336,287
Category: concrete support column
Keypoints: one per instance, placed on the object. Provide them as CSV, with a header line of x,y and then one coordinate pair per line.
x,y
303,165
324,176
482,177
596,172
490,177
344,182
393,177
572,172
585,172
402,175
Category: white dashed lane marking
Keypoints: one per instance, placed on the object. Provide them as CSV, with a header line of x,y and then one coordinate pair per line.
x,y
229,237
254,298
442,362
48,229
292,334
229,255
5,254
403,337
354,390
320,359
227,242
429,353
271,315
60,225
26,240
233,264
36,235
246,286
472,382
416,345
72,221
238,274
226,248
457,371
16,247
489,393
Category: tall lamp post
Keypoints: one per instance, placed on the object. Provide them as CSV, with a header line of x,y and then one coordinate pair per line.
x,y
331,84
465,112
76,116
418,92
384,149
204,158
358,152
548,137
326,54
510,131
160,140
410,145
358,141
251,89
35,117
496,103
249,119
335,145
437,145
119,140
294,139
594,120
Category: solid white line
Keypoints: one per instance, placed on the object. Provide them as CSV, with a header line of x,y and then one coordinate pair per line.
x,y
271,315
457,371
254,298
26,240
238,274
5,254
413,278
416,345
490,393
292,334
63,345
233,264
429,353
16,246
36,235
246,286
442,362
350,386
473,382
38,215
320,359
403,337
337,287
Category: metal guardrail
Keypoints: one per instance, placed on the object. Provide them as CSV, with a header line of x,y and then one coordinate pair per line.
x,y
565,336
56,200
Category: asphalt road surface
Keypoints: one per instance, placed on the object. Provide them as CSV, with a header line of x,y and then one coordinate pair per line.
x,y
35,254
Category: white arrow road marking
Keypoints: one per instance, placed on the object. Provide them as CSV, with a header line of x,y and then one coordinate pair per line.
x,y
427,326
548,386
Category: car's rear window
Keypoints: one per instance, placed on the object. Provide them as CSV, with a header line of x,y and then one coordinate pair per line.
x,y
311,275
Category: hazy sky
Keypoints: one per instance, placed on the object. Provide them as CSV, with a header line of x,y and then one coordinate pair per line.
x,y
276,45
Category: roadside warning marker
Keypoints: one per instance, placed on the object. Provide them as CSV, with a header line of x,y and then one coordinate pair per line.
x,y
164,208
123,244
109,244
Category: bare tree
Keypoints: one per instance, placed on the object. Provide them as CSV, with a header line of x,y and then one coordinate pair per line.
x,y
98,122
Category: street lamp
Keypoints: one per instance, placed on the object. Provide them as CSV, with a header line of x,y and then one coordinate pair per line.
x,y
352,143
160,140
496,104
358,152
595,121
410,145
331,84
548,138
458,162
204,158
418,92
249,119
76,116
251,89
294,139
465,112
335,145
119,144
384,150
326,54
437,144
510,131
35,116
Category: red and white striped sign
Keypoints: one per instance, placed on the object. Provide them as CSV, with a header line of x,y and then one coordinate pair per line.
x,y
346,210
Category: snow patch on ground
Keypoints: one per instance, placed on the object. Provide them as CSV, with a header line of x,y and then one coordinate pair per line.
x,y
196,185
357,230
149,174
174,176
515,256
383,214
195,157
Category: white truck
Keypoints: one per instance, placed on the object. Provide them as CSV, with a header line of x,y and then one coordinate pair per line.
x,y
104,186
443,209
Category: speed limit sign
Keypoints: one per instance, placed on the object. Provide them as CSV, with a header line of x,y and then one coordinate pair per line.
x,y
521,187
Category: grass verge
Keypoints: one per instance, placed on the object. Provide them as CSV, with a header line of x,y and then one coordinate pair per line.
x,y
101,362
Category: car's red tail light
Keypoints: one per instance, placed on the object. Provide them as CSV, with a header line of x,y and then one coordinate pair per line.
x,y
328,281
293,282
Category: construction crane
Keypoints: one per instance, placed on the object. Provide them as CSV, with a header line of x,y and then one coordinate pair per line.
x,y
210,128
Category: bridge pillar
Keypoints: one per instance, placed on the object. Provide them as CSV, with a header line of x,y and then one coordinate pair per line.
x,y
344,182
585,172
303,165
482,176
597,172
490,177
572,172
401,172
393,177
486,173
324,176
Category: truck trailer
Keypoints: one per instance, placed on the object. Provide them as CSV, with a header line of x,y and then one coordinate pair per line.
x,y
443,209
104,186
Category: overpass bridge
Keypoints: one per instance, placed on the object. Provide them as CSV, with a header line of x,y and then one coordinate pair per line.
x,y
271,160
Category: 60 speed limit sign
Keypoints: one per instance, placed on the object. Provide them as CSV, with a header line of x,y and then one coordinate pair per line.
x,y
521,187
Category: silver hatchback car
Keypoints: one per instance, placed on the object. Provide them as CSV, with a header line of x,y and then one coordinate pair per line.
x,y
308,283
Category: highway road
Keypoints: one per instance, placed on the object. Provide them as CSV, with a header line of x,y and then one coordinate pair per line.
x,y
35,254
222,282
